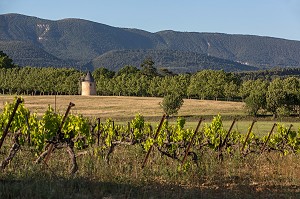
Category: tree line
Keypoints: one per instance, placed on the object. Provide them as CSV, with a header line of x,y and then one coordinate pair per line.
x,y
39,81
279,96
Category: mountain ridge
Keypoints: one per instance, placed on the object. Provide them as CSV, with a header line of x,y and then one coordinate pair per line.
x,y
175,61
77,42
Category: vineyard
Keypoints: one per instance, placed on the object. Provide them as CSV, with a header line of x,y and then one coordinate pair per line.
x,y
187,155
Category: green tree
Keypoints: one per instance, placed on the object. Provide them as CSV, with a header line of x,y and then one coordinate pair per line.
x,y
254,94
5,61
127,70
255,101
103,72
231,90
173,84
276,96
153,88
148,69
171,104
250,86
165,72
291,86
198,85
208,84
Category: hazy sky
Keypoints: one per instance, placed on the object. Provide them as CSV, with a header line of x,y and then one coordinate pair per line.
x,y
275,18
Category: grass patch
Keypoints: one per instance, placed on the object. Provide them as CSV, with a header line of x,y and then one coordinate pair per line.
x,y
120,108
255,176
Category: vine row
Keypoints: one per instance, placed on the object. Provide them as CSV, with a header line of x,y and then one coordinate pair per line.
x,y
53,131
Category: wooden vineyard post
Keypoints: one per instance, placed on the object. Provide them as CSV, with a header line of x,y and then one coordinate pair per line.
x,y
98,132
227,135
128,126
13,151
28,126
262,150
222,144
156,134
19,101
51,147
191,142
248,134
290,128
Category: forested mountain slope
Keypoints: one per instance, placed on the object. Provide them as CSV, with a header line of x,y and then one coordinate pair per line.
x,y
175,61
28,54
77,42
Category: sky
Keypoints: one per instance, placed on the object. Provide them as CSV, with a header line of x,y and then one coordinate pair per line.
x,y
274,18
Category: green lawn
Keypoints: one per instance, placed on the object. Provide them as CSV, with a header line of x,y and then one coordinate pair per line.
x,y
260,128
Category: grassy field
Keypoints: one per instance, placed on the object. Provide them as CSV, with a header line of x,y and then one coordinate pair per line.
x,y
123,109
119,107
269,175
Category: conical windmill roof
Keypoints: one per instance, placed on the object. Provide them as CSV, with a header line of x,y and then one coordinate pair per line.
x,y
89,77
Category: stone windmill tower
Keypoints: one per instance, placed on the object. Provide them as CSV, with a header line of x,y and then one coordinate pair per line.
x,y
88,85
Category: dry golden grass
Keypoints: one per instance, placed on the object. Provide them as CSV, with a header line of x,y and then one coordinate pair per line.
x,y
122,109
125,107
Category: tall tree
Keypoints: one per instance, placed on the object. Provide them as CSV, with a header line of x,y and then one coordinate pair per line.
x,y
148,69
291,86
255,101
276,96
254,94
5,61
127,70
208,84
104,72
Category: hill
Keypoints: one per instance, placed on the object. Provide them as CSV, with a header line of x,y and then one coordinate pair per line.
x,y
28,54
263,52
175,61
77,42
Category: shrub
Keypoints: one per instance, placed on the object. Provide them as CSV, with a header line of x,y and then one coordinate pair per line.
x,y
171,103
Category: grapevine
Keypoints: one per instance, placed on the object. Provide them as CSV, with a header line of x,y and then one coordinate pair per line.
x,y
171,140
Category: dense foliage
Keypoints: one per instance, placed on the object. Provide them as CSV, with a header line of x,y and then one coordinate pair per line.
x,y
279,96
171,103
35,81
5,61
171,140
36,131
269,74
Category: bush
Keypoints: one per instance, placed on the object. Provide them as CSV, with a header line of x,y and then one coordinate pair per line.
x,y
171,104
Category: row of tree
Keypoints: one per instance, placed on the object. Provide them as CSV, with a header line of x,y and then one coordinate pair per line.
x,y
206,84
35,81
280,96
